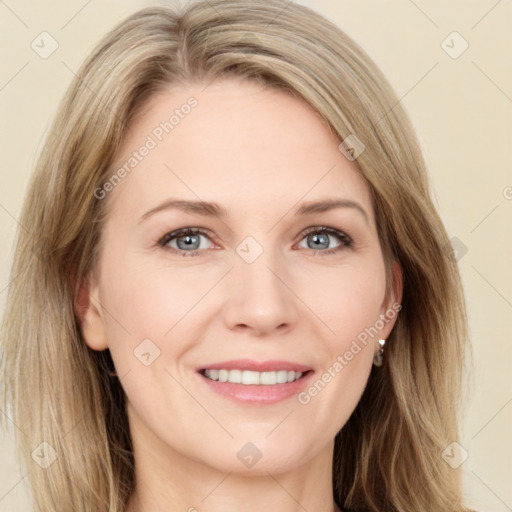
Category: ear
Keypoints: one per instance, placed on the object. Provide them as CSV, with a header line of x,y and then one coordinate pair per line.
x,y
90,314
391,305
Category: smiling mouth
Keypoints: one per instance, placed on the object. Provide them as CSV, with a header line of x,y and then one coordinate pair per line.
x,y
253,378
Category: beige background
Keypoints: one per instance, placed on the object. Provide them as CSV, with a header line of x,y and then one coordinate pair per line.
x,y
461,107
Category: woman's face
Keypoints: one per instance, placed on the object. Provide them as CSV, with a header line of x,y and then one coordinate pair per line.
x,y
271,279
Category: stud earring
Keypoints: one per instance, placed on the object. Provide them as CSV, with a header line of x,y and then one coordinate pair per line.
x,y
378,358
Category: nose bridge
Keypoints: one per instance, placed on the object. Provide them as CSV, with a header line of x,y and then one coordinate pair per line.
x,y
262,301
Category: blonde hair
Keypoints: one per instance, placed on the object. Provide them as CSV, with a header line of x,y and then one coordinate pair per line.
x,y
388,455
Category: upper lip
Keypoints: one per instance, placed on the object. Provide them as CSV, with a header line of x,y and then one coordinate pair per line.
x,y
256,366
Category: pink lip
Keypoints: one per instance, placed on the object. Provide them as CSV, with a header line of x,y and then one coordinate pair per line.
x,y
258,394
256,366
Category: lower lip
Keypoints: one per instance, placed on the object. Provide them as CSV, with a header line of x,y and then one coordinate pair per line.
x,y
258,394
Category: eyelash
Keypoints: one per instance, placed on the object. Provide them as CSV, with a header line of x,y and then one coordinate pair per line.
x,y
346,241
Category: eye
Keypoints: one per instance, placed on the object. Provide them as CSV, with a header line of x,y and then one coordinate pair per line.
x,y
186,241
319,238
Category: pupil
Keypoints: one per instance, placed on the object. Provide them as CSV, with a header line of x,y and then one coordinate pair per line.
x,y
188,241
321,240
318,240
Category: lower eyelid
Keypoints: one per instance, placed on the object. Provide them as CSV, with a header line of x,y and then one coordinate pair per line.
x,y
345,240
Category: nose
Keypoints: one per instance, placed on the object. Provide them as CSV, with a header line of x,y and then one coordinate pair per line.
x,y
260,297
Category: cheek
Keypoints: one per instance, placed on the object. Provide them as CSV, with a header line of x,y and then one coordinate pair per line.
x,y
148,301
146,309
348,300
349,308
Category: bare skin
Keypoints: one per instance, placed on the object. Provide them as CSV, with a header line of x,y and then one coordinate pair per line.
x,y
260,154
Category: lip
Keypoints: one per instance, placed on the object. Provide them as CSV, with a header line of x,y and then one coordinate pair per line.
x,y
255,394
273,365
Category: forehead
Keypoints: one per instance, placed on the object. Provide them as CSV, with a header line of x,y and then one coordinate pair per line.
x,y
236,143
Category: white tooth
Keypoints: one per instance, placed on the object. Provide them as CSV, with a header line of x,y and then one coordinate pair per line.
x,y
268,378
235,376
282,376
249,377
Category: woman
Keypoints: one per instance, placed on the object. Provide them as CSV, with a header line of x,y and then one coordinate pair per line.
x,y
187,341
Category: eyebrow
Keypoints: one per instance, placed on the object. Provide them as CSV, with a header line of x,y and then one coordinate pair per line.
x,y
211,209
330,204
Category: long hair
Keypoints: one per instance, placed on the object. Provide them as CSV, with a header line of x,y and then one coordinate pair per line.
x,y
71,415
